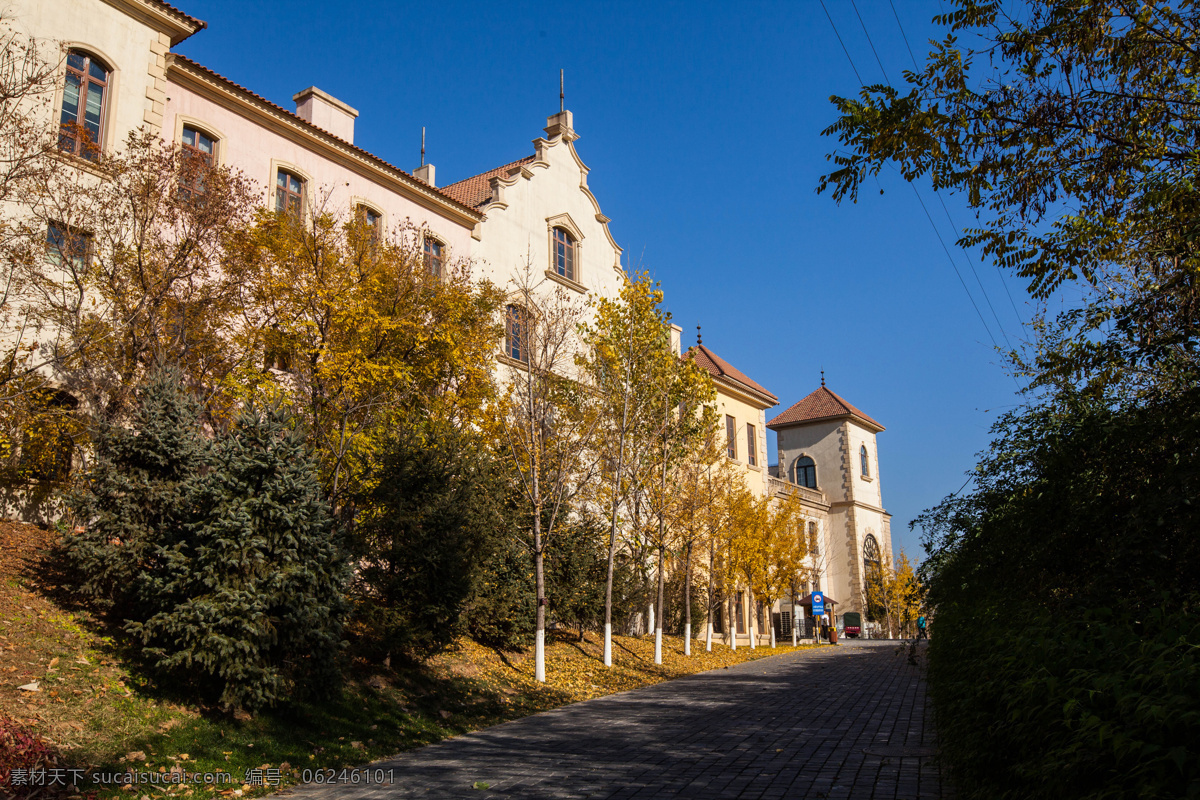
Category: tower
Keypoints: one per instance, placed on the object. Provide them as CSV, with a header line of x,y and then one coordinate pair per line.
x,y
827,444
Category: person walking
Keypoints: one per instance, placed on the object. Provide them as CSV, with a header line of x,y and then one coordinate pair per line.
x,y
921,628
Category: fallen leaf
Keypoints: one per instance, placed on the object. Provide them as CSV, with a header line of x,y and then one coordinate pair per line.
x,y
30,687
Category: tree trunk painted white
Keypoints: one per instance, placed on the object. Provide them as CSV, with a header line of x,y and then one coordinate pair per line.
x,y
608,644
650,625
708,636
750,626
732,626
539,659
687,638
772,633
795,619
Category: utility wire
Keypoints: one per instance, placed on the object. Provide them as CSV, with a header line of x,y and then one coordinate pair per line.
x,y
861,82
914,188
878,60
1000,272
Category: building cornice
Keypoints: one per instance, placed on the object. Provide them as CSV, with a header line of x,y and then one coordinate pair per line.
x,y
230,95
162,17
859,504
744,393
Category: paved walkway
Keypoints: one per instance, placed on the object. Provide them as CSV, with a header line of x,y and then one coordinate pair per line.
x,y
840,722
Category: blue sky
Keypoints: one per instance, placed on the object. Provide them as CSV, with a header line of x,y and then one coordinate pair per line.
x,y
701,124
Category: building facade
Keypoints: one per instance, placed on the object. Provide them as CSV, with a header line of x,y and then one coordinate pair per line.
x,y
534,217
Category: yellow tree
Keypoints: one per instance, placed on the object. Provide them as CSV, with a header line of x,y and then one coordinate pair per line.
x,y
547,422
691,509
630,364
681,403
719,484
893,589
784,545
361,336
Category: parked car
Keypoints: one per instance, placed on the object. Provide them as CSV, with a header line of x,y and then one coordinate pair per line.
x,y
852,622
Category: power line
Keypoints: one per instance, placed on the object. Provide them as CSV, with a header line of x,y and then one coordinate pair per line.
x,y
956,271
861,82
1000,272
878,60
905,36
928,216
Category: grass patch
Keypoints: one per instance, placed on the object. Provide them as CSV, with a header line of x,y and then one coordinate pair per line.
x,y
109,721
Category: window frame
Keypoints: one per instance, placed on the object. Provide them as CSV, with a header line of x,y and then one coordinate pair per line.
x,y
361,211
731,437
188,152
429,241
751,445
79,147
518,314
810,470
565,254
865,461
79,260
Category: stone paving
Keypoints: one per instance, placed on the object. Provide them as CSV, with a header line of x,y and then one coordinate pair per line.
x,y
839,722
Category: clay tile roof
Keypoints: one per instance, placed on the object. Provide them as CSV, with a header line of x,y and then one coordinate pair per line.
x,y
318,130
198,24
476,190
720,368
821,404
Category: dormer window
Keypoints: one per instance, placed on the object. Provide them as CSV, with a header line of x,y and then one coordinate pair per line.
x,y
564,254
866,462
85,98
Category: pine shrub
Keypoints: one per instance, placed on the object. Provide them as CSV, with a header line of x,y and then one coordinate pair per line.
x,y
251,594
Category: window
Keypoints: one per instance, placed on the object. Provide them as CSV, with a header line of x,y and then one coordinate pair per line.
x,y
84,98
64,247
47,441
866,464
751,446
739,613
804,473
731,435
814,541
516,330
199,156
289,193
564,254
871,559
433,256
372,220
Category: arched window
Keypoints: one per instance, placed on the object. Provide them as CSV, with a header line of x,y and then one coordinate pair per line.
x,y
871,558
804,472
564,254
289,193
85,98
866,463
516,332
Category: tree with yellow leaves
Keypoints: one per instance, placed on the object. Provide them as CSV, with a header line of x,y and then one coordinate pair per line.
x,y
784,548
357,332
895,593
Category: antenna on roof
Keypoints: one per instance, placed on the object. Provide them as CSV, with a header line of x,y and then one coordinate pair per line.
x,y
422,145
562,97
698,339
822,377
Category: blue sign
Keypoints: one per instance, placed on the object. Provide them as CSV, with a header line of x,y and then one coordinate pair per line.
x,y
818,603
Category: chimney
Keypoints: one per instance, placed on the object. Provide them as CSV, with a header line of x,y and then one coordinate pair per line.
x,y
426,173
676,336
326,112
560,125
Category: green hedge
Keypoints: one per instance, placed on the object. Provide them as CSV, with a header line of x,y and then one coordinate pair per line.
x,y
1034,705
